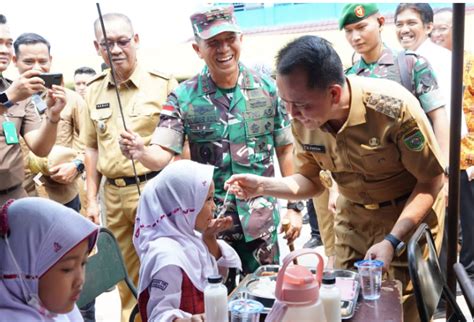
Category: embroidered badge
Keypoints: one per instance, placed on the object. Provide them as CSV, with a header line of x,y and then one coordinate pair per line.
x,y
414,141
162,285
384,104
314,148
101,106
57,247
359,11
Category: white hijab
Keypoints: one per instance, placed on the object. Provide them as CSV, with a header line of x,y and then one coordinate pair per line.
x,y
164,227
41,232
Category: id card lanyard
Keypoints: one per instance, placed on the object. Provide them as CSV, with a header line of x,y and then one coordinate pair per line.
x,y
9,130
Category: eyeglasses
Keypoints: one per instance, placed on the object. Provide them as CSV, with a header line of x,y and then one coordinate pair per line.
x,y
122,43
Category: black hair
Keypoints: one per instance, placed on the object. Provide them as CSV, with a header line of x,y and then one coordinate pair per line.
x,y
85,70
316,56
423,9
3,19
29,38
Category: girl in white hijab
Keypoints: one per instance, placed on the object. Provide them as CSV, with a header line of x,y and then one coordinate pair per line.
x,y
175,238
43,249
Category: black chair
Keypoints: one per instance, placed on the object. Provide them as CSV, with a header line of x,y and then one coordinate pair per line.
x,y
466,285
428,282
104,269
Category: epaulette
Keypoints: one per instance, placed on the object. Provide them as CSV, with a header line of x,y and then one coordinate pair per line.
x,y
98,77
160,74
384,104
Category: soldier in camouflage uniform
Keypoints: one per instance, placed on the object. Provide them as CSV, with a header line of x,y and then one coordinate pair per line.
x,y
363,24
232,119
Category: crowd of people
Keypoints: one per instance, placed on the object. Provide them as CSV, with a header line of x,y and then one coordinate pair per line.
x,y
184,174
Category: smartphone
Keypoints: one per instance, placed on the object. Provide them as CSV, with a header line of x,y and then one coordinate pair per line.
x,y
51,79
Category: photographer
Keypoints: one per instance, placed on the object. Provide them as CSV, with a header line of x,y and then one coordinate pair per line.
x,y
18,116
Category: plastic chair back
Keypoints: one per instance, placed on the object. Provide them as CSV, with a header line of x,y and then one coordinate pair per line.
x,y
425,273
104,269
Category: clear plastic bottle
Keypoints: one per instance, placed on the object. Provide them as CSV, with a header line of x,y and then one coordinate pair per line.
x,y
215,300
330,295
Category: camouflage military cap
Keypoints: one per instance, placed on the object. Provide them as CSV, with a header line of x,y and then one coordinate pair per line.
x,y
213,22
355,12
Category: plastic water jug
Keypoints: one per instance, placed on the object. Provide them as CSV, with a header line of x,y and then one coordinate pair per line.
x,y
297,291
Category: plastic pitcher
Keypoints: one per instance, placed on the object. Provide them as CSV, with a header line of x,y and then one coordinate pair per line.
x,y
297,291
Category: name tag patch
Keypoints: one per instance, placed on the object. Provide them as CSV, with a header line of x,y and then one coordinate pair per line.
x,y
102,105
314,148
162,285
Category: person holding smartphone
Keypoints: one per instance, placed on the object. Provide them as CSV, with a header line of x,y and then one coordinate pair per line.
x,y
18,118
32,52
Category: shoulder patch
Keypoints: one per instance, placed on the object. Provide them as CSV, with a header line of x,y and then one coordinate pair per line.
x,y
98,77
414,140
384,104
160,74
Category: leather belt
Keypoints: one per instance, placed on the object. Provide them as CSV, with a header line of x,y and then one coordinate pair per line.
x,y
126,181
8,190
394,202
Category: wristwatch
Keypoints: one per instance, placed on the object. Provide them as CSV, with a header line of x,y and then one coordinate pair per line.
x,y
296,206
5,101
398,245
79,165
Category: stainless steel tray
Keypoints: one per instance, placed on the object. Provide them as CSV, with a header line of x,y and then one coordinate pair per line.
x,y
271,271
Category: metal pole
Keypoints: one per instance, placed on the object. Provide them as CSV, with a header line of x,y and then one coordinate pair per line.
x,y
455,144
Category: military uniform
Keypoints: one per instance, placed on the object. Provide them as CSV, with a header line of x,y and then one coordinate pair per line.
x,y
423,80
236,131
142,96
376,158
12,170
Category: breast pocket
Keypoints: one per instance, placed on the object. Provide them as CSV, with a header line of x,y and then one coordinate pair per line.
x,y
382,158
205,142
144,117
102,121
259,138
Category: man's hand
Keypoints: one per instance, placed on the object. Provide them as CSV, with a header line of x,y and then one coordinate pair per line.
x,y
131,144
382,251
64,173
56,101
332,201
25,86
93,211
245,186
296,222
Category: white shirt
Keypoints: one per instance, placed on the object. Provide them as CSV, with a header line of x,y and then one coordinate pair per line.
x,y
440,60
165,289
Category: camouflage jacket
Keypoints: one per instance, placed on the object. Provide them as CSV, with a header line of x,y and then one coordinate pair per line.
x,y
424,84
235,130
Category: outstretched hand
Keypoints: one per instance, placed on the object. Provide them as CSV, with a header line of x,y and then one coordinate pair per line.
x,y
245,186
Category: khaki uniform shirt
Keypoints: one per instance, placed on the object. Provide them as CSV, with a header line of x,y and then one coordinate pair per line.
x,y
467,143
383,148
68,136
142,96
24,115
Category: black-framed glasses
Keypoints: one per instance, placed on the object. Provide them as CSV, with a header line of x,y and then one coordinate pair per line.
x,y
122,43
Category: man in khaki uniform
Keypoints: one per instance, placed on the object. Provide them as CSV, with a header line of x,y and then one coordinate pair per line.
x,y
142,93
378,144
32,52
18,117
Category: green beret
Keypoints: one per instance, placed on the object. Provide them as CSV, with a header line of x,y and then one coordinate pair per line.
x,y
355,12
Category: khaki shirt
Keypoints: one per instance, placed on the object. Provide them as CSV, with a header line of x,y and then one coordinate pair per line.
x,y
142,96
26,119
383,148
68,136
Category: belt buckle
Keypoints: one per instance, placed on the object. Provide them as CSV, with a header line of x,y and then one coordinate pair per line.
x,y
120,182
372,206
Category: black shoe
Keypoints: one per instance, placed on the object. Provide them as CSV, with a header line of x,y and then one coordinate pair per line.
x,y
314,241
305,219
